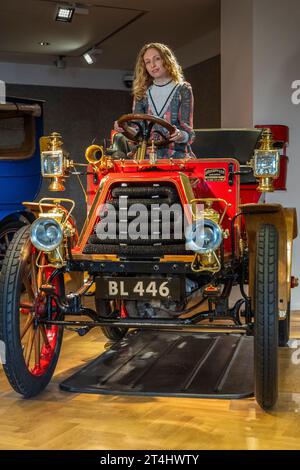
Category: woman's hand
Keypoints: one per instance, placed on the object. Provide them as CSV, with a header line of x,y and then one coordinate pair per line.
x,y
177,136
119,128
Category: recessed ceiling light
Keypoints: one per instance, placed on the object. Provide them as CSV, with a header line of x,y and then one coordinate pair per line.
x,y
44,43
64,13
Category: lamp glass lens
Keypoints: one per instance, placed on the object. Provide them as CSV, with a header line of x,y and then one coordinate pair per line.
x,y
203,236
267,163
52,163
46,234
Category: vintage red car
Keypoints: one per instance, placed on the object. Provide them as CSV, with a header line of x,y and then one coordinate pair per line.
x,y
162,238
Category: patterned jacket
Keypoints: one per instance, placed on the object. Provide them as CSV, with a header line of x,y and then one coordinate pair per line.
x,y
179,113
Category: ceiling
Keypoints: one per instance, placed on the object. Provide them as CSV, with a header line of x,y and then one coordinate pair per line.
x,y
118,28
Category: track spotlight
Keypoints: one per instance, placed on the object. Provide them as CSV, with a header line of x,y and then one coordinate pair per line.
x,y
89,58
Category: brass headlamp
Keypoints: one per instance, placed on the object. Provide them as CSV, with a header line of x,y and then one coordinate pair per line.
x,y
52,228
205,235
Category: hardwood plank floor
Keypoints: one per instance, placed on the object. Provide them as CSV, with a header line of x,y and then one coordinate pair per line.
x,y
61,420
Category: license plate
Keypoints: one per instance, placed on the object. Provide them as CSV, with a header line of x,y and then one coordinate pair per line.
x,y
132,288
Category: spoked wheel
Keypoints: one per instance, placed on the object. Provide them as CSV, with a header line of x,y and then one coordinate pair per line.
x,y
7,232
31,348
266,318
107,309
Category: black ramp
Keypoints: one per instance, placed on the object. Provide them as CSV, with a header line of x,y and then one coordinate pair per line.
x,y
165,363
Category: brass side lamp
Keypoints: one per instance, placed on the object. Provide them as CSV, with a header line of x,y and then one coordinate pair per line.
x,y
266,162
54,162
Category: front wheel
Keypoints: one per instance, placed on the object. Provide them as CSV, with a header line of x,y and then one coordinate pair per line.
x,y
31,349
266,318
7,231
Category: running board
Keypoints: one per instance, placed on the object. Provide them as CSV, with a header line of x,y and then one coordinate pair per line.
x,y
164,363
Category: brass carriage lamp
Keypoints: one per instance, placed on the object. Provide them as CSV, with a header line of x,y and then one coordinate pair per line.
x,y
266,163
53,161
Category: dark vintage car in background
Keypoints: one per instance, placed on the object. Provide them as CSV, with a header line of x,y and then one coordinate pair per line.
x,y
155,281
21,126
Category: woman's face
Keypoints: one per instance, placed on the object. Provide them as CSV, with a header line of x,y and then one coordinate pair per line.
x,y
154,64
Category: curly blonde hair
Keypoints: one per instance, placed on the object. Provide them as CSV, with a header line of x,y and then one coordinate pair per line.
x,y
142,79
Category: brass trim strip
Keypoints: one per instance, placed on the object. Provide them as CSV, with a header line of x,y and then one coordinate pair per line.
x,y
100,257
177,258
92,209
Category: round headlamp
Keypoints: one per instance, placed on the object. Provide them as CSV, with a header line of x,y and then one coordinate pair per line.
x,y
46,234
203,236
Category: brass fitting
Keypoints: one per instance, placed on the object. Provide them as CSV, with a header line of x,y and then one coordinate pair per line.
x,y
94,154
266,141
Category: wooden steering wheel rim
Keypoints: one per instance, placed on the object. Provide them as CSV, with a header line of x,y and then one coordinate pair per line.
x,y
145,117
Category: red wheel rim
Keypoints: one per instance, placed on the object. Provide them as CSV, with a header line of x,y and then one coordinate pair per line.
x,y
38,341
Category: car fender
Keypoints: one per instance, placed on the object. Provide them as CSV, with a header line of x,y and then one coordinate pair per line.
x,y
285,221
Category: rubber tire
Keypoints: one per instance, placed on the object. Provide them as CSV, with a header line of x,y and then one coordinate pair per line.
x,y
284,329
113,333
18,375
266,318
12,227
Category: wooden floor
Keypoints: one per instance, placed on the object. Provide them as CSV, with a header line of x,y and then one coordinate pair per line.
x,y
61,420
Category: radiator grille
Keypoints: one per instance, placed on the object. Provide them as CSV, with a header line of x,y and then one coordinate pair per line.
x,y
161,238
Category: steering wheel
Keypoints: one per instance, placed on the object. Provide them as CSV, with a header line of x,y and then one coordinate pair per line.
x,y
144,131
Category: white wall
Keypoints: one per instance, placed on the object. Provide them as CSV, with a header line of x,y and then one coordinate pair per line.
x,y
260,47
276,66
49,75
236,63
